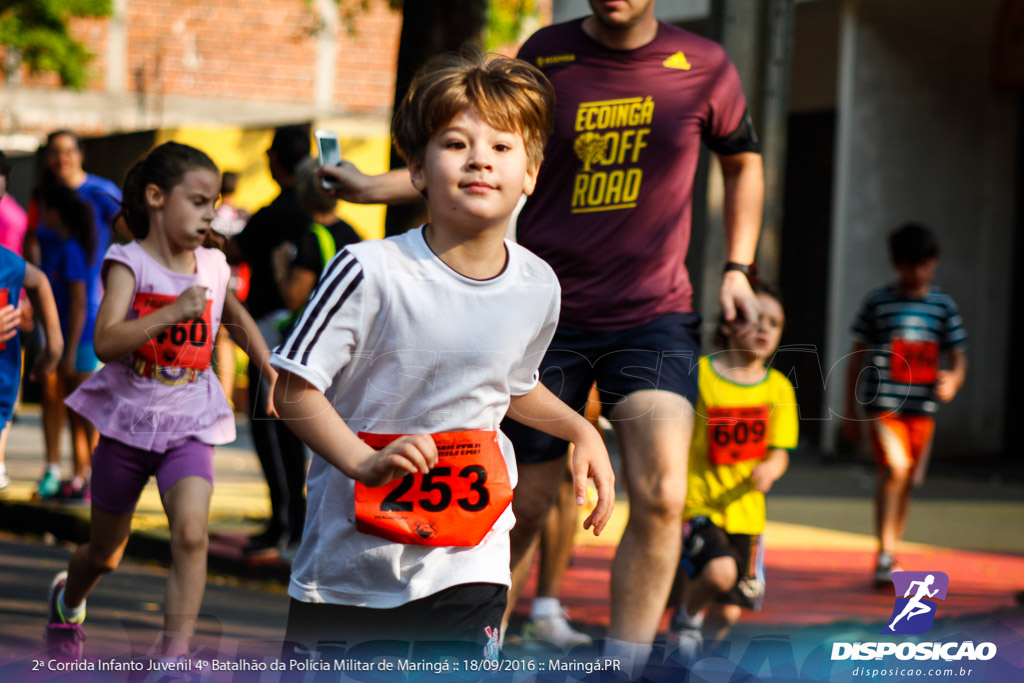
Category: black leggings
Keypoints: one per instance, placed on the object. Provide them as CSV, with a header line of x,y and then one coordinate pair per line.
x,y
467,615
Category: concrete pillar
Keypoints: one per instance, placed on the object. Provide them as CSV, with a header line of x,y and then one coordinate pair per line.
x,y
922,135
774,106
117,48
326,54
840,310
758,35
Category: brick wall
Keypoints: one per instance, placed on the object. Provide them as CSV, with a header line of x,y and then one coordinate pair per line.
x,y
92,33
366,63
257,50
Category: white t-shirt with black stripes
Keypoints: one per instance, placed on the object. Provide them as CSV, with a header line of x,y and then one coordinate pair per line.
x,y
400,343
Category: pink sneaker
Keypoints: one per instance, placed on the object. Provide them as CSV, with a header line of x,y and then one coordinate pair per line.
x,y
74,492
63,640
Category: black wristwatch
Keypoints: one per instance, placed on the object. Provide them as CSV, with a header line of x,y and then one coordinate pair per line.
x,y
750,270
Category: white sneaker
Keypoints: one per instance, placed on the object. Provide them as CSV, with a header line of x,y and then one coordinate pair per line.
x,y
688,644
555,630
884,568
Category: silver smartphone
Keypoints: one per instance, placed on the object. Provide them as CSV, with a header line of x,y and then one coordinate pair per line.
x,y
329,152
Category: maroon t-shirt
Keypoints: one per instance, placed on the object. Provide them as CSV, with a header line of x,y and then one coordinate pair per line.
x,y
611,212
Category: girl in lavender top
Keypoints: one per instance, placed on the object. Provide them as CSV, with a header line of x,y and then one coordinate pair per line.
x,y
156,403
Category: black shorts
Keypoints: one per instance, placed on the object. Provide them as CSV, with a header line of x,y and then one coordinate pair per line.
x,y
704,541
661,354
464,618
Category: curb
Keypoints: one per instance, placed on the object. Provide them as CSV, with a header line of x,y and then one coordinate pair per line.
x,y
71,524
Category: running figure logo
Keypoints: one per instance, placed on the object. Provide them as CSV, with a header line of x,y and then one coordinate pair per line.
x,y
914,612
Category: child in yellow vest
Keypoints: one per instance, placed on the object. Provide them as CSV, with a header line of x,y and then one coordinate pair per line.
x,y
746,424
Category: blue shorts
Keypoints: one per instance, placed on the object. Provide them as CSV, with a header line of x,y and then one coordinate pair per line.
x,y
658,355
10,379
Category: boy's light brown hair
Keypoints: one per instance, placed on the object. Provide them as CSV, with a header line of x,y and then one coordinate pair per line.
x,y
509,94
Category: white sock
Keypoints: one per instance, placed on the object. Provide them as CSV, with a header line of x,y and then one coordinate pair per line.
x,y
632,657
694,621
72,615
3,469
53,469
545,608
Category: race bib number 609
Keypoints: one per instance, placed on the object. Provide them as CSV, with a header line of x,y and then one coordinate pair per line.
x,y
454,504
736,434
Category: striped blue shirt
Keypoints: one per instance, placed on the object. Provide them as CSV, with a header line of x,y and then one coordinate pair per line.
x,y
905,338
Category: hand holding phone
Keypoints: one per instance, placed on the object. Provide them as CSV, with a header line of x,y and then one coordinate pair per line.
x,y
329,152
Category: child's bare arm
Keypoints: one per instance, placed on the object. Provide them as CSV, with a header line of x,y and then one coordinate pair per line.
x,y
311,416
950,381
242,328
116,337
771,469
392,187
10,317
37,287
542,410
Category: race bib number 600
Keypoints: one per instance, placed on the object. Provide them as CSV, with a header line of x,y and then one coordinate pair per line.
x,y
186,345
454,504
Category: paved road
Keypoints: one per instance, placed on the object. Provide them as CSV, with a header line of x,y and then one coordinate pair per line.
x,y
125,611
966,520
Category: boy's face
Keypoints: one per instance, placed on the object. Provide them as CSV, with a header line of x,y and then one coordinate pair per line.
x,y
762,338
473,173
917,276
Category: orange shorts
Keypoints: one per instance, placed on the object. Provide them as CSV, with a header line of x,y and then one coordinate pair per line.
x,y
901,441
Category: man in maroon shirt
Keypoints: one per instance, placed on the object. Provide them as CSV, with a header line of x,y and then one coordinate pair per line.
x,y
611,214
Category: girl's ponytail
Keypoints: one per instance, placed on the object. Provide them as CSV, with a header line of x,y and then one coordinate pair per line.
x,y
133,202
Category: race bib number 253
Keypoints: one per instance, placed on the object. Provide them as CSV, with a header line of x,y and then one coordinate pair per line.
x,y
454,504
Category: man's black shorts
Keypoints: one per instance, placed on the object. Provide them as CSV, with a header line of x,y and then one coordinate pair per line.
x,y
704,541
661,354
465,618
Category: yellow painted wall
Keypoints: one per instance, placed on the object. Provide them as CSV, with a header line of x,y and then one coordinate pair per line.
x,y
243,150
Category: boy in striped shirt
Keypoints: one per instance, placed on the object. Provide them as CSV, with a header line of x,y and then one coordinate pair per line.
x,y
909,355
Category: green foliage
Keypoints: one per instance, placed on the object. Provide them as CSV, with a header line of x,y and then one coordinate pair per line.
x,y
349,10
38,31
506,21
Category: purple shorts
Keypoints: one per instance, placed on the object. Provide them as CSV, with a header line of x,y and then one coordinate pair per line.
x,y
120,471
